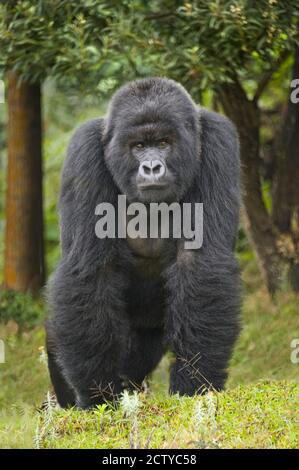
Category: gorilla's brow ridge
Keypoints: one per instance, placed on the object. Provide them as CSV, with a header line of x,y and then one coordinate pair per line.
x,y
148,132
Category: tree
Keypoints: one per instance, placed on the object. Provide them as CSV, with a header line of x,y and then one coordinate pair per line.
x,y
228,50
37,40
24,254
233,49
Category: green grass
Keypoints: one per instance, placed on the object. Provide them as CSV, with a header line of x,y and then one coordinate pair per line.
x,y
258,409
263,350
23,385
253,416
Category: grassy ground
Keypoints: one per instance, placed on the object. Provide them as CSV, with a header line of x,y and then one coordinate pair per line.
x,y
257,416
259,408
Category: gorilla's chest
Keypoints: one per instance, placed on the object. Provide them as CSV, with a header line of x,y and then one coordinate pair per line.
x,y
151,256
154,248
145,297
148,247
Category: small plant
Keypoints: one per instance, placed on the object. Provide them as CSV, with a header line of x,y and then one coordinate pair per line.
x,y
130,404
44,428
205,412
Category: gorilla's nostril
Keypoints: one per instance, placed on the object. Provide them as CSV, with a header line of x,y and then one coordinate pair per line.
x,y
151,169
146,169
157,168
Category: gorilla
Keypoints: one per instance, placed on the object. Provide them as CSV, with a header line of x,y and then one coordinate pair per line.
x,y
118,304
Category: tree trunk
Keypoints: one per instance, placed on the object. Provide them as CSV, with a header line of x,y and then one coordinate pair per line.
x,y
245,114
24,254
286,185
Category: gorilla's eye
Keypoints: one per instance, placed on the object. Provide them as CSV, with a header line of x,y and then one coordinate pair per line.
x,y
139,145
162,144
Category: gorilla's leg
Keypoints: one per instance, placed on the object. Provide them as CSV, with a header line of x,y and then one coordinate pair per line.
x,y
64,394
145,351
202,321
90,328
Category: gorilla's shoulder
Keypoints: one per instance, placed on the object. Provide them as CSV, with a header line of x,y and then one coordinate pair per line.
x,y
86,133
85,145
217,123
220,141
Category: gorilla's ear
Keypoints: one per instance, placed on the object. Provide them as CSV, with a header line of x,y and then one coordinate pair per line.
x,y
86,182
219,182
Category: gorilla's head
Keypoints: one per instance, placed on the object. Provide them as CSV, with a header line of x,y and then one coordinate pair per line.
x,y
151,140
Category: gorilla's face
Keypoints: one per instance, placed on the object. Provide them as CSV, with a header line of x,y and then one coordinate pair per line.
x,y
148,163
151,141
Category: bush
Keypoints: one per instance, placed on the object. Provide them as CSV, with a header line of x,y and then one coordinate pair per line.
x,y
21,308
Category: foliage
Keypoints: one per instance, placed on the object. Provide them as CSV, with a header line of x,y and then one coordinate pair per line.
x,y
21,308
200,43
57,38
206,43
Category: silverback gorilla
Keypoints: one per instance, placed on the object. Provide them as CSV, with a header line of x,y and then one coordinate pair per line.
x,y
117,305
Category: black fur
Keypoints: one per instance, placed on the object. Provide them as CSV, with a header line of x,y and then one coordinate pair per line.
x,y
113,313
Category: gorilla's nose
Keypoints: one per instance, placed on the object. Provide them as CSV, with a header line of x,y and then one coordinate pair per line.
x,y
151,170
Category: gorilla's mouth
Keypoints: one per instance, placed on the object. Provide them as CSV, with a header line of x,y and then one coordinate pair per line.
x,y
152,186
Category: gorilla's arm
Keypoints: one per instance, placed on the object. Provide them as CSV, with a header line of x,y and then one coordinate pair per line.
x,y
87,324
86,182
202,320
